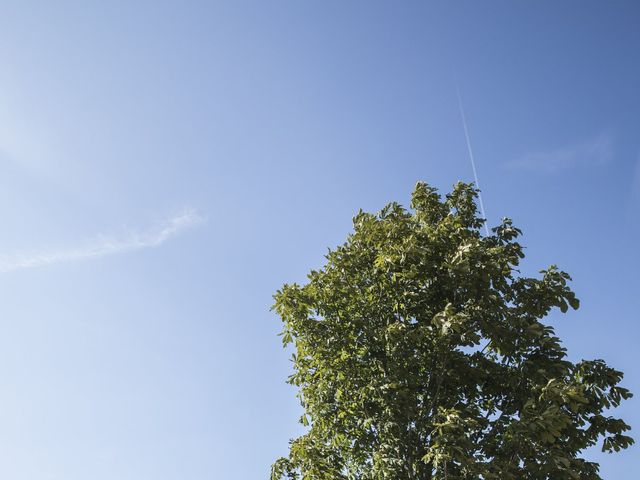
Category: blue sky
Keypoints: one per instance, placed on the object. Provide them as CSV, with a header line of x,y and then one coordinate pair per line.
x,y
166,166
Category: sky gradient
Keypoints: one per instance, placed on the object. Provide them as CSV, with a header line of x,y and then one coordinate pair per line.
x,y
166,166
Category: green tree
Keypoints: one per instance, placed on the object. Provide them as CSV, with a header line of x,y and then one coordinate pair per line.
x,y
420,353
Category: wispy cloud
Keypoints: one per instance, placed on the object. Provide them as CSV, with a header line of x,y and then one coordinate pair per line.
x,y
105,245
592,153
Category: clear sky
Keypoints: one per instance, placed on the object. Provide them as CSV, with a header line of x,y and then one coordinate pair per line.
x,y
166,166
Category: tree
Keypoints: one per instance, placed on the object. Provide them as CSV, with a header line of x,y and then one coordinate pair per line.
x,y
420,353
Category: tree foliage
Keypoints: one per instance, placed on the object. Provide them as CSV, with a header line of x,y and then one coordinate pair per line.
x,y
421,353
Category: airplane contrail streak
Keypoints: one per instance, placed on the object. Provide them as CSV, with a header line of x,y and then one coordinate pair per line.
x,y
473,162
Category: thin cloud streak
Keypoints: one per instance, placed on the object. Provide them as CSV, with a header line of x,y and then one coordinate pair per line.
x,y
593,153
471,157
105,245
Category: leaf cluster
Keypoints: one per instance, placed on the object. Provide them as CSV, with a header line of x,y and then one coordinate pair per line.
x,y
420,352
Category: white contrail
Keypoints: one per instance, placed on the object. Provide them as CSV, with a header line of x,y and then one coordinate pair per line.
x,y
104,245
473,163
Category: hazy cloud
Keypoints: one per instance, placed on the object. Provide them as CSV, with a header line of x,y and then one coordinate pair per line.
x,y
592,153
105,244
